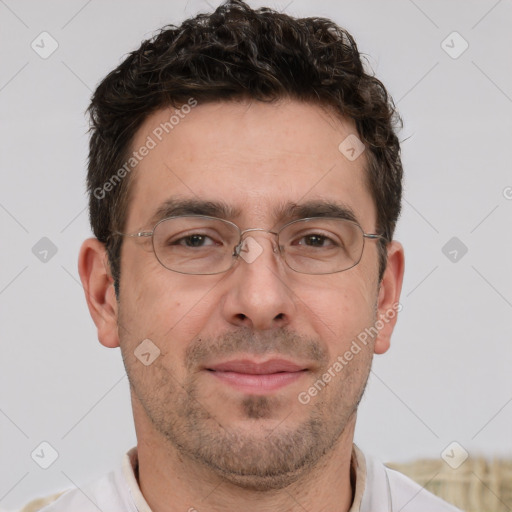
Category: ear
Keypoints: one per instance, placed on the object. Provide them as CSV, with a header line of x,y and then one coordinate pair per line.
x,y
99,290
388,304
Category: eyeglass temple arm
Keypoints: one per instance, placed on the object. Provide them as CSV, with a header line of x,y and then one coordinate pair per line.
x,y
374,236
131,235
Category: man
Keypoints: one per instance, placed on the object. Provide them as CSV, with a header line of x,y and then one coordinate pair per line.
x,y
245,182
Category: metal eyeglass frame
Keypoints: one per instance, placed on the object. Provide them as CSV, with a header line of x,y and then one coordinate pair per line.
x,y
238,247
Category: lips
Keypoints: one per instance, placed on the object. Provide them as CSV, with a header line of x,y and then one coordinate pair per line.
x,y
251,377
247,366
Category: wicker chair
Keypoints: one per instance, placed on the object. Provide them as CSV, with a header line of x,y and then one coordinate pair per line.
x,y
478,485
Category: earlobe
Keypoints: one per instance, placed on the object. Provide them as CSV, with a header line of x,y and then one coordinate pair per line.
x,y
99,290
388,303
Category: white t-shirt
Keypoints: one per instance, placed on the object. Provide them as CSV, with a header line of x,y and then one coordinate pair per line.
x,y
378,489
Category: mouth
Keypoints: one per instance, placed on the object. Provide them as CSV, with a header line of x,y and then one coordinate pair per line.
x,y
254,377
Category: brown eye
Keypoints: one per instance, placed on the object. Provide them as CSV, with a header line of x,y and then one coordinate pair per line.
x,y
194,241
316,240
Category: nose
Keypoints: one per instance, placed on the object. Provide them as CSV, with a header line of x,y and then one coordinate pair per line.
x,y
258,295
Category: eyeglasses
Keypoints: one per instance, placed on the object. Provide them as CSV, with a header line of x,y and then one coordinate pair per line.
x,y
202,245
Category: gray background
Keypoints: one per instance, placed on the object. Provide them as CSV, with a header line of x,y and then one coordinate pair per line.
x,y
447,376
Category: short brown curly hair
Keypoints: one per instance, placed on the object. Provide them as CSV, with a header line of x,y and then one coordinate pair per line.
x,y
233,53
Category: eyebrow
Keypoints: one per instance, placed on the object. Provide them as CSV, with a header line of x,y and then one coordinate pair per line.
x,y
316,208
284,212
174,206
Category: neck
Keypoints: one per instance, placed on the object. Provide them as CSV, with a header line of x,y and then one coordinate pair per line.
x,y
172,482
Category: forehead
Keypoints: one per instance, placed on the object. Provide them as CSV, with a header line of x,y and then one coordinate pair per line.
x,y
257,158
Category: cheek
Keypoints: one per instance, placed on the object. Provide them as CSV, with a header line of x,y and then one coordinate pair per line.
x,y
164,306
340,308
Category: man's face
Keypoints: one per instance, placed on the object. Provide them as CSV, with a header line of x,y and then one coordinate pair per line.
x,y
255,158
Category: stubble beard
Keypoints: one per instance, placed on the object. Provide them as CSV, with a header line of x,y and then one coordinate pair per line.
x,y
269,454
